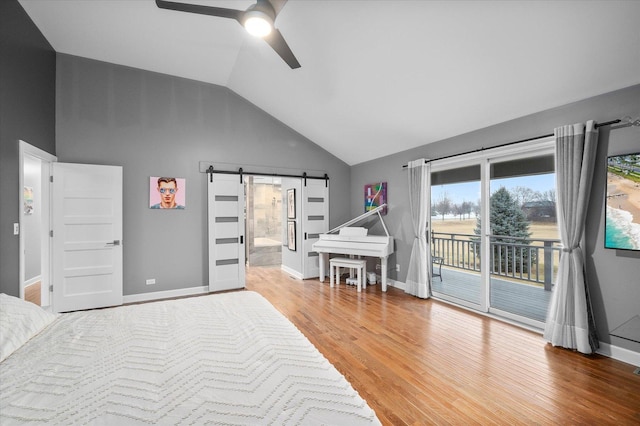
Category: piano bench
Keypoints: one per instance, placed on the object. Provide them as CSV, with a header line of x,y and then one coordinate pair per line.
x,y
344,262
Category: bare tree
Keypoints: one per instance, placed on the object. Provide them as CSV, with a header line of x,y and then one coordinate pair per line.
x,y
443,205
467,208
458,211
548,195
476,208
523,194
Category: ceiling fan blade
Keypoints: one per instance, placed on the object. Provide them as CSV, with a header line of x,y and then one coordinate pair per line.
x,y
274,39
277,42
202,10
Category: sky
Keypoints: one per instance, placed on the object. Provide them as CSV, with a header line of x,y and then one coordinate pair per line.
x,y
470,191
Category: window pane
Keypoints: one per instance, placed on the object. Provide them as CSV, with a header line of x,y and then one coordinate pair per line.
x,y
455,195
524,245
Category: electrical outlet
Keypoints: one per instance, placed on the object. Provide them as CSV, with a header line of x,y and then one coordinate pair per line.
x,y
16,229
378,266
397,267
151,281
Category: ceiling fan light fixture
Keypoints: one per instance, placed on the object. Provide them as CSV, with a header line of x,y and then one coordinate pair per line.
x,y
258,23
257,19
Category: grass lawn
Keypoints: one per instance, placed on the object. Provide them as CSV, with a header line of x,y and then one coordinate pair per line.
x,y
539,230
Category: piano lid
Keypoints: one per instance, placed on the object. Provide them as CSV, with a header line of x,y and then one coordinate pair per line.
x,y
362,217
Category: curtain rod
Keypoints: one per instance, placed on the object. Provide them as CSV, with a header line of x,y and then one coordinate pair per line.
x,y
608,123
241,172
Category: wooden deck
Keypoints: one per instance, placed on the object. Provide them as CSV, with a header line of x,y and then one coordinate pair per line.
x,y
527,300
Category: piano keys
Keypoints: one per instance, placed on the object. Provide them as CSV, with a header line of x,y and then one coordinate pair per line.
x,y
355,241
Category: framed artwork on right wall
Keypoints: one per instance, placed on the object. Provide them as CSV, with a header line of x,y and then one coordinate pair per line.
x,y
375,195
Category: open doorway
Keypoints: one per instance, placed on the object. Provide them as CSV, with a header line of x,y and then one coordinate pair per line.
x,y
35,262
284,216
263,221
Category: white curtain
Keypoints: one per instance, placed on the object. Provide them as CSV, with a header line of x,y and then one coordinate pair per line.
x,y
569,318
417,278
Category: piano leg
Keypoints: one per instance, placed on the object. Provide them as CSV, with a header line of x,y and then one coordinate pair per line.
x,y
322,261
383,272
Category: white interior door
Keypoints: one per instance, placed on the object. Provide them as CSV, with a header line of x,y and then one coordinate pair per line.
x,y
315,221
87,236
225,195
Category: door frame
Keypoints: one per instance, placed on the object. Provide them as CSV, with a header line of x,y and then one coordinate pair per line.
x,y
25,149
464,160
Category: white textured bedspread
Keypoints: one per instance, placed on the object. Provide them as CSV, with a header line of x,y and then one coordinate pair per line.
x,y
218,359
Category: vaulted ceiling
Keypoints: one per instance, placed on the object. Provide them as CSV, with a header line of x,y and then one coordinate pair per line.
x,y
377,76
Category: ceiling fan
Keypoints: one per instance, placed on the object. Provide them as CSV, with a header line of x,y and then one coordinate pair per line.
x,y
257,19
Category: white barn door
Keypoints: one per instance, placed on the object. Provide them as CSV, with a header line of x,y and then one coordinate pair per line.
x,y
315,221
87,236
225,196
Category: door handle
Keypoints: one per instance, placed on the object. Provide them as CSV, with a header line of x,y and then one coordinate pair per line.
x,y
114,243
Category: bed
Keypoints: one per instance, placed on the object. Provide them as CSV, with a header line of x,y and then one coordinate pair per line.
x,y
229,358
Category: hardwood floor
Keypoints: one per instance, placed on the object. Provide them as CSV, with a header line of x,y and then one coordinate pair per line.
x,y
422,362
32,293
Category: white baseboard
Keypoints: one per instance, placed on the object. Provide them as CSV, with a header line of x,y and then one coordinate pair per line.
x,y
292,272
166,294
396,284
32,281
620,354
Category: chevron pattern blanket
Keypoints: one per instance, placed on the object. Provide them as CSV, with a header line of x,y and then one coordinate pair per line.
x,y
229,359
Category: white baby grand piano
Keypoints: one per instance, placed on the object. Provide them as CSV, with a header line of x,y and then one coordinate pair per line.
x,y
355,241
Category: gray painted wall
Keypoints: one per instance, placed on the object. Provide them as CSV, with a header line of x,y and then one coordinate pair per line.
x,y
613,275
27,112
154,124
159,125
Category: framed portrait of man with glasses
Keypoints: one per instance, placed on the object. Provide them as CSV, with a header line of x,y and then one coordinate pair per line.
x,y
167,192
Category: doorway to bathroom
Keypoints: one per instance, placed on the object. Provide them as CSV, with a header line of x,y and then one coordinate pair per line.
x,y
264,221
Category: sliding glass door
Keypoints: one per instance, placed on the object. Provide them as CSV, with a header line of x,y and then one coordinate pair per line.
x,y
455,247
524,242
493,234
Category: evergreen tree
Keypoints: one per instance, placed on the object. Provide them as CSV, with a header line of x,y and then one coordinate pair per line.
x,y
507,220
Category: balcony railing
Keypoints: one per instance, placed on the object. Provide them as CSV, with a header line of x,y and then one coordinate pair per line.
x,y
536,261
